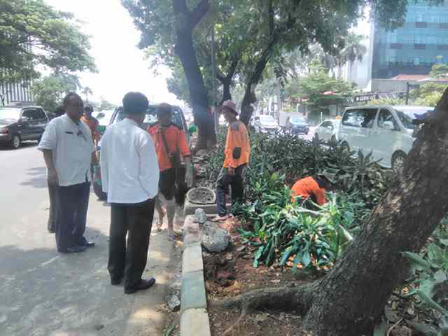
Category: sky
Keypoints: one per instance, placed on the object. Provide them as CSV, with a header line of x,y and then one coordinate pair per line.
x,y
114,38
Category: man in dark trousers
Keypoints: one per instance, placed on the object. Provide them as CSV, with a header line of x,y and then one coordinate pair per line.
x,y
237,154
170,142
69,152
130,177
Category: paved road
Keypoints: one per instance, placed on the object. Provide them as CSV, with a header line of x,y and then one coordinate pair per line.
x,y
45,293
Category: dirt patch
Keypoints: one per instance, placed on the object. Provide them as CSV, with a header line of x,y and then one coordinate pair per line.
x,y
201,195
231,273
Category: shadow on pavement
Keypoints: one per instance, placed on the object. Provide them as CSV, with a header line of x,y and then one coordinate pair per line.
x,y
44,292
37,177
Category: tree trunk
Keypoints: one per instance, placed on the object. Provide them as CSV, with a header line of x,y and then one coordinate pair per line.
x,y
226,94
184,26
350,299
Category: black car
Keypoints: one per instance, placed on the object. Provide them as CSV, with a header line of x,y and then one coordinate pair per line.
x,y
19,124
297,125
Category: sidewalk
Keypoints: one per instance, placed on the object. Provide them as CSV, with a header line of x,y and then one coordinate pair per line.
x,y
47,293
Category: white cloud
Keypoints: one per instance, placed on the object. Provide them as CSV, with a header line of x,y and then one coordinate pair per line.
x,y
114,40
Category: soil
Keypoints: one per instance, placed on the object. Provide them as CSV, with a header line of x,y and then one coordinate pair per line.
x,y
231,273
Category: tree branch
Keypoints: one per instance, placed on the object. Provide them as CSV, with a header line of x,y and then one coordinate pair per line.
x,y
199,12
180,7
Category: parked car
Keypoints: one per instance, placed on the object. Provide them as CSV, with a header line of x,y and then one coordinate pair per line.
x,y
18,124
265,124
328,130
297,125
104,118
386,131
118,115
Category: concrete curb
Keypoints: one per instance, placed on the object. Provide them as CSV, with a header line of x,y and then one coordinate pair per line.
x,y
194,319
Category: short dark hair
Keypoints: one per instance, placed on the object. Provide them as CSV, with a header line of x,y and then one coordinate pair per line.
x,y
135,103
69,96
164,108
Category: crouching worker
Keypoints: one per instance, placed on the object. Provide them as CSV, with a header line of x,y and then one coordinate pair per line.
x,y
312,188
237,153
170,142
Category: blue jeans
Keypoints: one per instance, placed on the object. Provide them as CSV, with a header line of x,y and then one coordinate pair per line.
x,y
235,182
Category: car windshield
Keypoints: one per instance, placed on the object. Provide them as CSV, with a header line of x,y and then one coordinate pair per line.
x,y
407,114
9,114
151,117
297,120
267,119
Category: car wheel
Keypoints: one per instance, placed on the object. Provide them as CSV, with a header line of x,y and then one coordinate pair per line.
x,y
16,141
345,147
398,162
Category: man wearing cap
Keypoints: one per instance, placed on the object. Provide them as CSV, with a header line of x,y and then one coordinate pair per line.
x,y
130,176
237,154
170,142
312,188
92,122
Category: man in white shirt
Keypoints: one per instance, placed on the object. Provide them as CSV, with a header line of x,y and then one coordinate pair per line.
x,y
68,151
130,177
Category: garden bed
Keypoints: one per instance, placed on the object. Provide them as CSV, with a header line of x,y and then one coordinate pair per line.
x,y
232,273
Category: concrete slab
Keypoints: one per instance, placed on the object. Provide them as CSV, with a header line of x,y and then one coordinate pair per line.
x,y
195,322
193,291
210,209
192,259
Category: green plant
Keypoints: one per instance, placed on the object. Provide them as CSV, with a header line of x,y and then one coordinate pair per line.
x,y
283,231
430,283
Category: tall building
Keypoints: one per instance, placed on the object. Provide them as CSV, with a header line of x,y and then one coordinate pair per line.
x,y
414,48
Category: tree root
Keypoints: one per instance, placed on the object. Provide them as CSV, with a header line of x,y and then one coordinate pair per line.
x,y
281,299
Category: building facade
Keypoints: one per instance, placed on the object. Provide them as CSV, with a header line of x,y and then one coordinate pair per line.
x,y
15,92
414,48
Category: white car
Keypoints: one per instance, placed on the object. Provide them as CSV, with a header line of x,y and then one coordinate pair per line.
x,y
104,118
327,130
265,124
386,131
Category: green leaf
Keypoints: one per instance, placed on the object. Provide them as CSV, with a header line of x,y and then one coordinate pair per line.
x,y
416,261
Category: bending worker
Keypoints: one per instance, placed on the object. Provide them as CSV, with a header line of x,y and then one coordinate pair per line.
x,y
312,188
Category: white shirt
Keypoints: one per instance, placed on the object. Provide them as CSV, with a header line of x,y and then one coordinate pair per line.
x,y
129,167
72,148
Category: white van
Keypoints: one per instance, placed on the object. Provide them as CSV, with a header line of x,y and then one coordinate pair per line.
x,y
386,131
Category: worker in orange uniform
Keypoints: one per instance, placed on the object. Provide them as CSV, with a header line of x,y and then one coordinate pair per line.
x,y
92,122
170,142
237,154
312,188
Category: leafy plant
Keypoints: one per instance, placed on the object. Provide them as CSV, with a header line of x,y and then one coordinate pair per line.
x,y
430,283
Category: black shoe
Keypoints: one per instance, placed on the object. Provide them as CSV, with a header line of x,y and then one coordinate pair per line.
x,y
73,249
144,285
84,242
115,282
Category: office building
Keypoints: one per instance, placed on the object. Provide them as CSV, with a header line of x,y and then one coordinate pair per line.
x,y
415,47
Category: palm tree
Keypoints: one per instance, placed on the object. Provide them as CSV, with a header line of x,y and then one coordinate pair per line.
x,y
86,92
354,50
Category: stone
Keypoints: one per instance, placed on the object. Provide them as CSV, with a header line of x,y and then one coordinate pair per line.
x,y
214,239
174,303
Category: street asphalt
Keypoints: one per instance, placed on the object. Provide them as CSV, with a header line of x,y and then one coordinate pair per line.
x,y
43,292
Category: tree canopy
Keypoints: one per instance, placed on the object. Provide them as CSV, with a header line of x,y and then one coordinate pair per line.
x,y
33,33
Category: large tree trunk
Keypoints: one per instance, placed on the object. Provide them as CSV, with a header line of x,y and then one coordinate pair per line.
x,y
351,298
186,21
